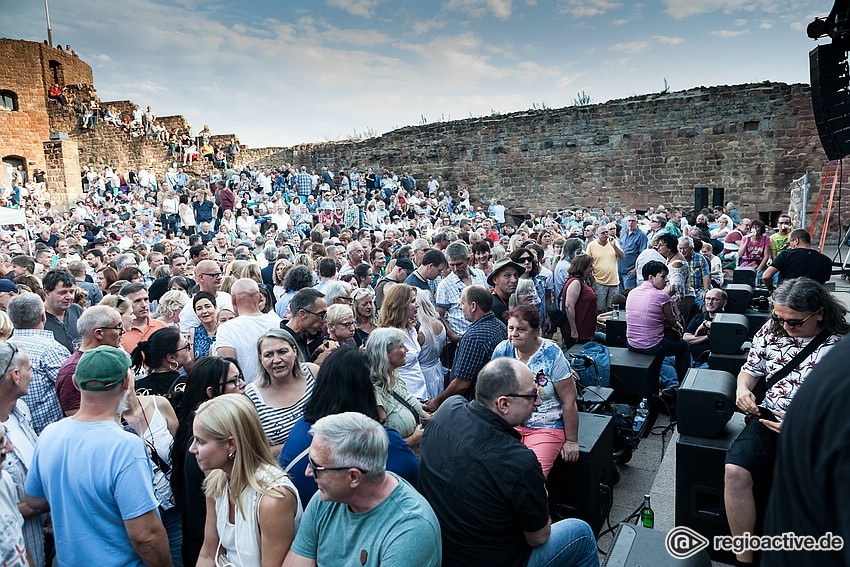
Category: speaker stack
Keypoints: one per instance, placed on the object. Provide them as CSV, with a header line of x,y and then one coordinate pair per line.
x,y
830,82
700,198
584,489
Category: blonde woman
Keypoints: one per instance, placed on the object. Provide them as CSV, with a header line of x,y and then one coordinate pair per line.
x,y
365,315
253,509
397,407
169,307
524,294
399,311
434,334
6,327
340,325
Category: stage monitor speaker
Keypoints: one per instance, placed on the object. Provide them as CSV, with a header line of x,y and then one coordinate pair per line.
x,y
717,196
706,402
744,275
700,198
756,320
730,363
615,332
583,489
830,82
739,297
728,332
637,546
700,464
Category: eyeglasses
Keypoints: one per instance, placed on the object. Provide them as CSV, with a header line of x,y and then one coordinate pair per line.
x,y
316,469
234,381
213,275
119,327
533,396
791,322
187,347
321,315
11,358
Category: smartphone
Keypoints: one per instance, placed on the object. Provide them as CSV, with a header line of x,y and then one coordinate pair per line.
x,y
766,414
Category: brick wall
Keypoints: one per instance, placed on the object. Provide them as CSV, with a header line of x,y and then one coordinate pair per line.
x,y
750,139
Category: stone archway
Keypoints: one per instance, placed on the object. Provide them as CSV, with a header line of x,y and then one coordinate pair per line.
x,y
10,164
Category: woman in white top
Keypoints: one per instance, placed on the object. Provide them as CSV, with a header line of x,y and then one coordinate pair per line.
x,y
187,215
228,221
398,310
253,509
434,334
245,223
153,419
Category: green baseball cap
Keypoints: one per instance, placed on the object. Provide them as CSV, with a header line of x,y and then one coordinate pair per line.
x,y
102,368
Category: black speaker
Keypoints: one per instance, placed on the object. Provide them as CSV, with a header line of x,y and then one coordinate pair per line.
x,y
700,198
730,363
830,82
706,402
634,376
700,464
756,320
744,275
717,196
739,296
728,333
584,489
637,546
615,332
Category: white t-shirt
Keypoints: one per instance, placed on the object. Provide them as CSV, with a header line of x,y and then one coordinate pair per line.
x,y
241,335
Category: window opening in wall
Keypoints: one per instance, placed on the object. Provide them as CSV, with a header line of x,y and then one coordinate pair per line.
x,y
57,72
8,166
8,100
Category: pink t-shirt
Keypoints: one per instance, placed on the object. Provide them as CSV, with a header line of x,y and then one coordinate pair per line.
x,y
645,316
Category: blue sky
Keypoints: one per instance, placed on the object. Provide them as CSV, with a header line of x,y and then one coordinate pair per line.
x,y
279,73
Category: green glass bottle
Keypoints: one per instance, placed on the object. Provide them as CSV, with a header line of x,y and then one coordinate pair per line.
x,y
647,516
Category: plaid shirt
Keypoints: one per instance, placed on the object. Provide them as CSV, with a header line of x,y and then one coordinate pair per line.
x,y
305,183
699,268
476,347
448,297
46,356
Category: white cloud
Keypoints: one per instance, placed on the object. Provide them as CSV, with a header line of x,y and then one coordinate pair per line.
x,y
589,8
363,8
502,9
766,25
630,46
683,8
424,26
620,22
102,57
729,33
668,39
740,22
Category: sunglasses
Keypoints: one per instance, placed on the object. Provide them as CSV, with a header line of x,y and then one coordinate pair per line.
x,y
316,469
791,322
533,396
11,358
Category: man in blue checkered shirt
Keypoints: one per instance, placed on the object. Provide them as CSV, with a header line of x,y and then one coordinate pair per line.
x,y
46,356
700,271
304,181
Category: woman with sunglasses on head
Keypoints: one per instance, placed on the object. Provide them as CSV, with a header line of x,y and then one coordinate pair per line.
x,y
153,419
365,315
253,509
165,353
552,429
804,315
211,377
283,387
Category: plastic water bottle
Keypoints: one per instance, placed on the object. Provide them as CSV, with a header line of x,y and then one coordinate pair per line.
x,y
640,415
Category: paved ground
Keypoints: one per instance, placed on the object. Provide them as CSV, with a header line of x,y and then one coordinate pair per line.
x,y
652,468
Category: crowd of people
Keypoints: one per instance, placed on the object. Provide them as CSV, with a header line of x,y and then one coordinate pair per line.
x,y
323,368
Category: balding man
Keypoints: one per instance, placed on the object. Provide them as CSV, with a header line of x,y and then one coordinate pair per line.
x,y
237,338
498,514
355,258
98,325
208,275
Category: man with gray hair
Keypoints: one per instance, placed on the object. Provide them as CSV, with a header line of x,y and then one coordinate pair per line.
x,y
449,290
98,325
355,257
46,354
362,514
270,254
209,276
487,488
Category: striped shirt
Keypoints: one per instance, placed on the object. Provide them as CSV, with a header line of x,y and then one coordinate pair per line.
x,y
278,422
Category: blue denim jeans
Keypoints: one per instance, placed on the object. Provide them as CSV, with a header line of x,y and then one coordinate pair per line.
x,y
571,542
627,281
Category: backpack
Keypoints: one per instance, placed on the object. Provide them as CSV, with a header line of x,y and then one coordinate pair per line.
x,y
592,364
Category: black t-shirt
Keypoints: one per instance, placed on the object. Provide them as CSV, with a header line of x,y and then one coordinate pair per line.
x,y
810,488
414,280
499,308
798,262
484,485
697,350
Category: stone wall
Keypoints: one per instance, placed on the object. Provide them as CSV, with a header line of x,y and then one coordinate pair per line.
x,y
752,140
64,183
28,70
